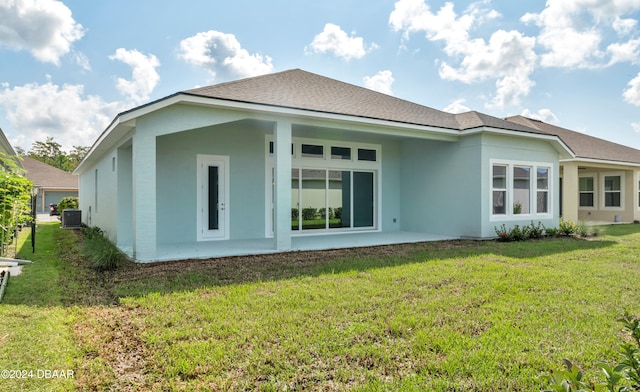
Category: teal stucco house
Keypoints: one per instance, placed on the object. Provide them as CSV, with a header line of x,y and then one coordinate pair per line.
x,y
295,161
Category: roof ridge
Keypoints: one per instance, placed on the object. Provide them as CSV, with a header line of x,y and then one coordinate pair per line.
x,y
236,81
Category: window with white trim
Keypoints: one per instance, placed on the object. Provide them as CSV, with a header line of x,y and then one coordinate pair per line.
x,y
334,186
639,190
587,190
612,190
499,189
520,189
542,184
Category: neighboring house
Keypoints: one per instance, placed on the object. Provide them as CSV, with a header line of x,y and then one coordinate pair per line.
x,y
229,169
53,184
601,183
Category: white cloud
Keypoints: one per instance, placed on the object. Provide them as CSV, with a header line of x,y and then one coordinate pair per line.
x,y
508,57
222,55
413,16
35,111
456,107
46,28
334,40
627,51
144,76
381,82
573,30
632,94
624,26
545,115
636,126
82,60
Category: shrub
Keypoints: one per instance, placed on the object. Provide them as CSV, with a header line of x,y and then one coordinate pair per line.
x,y
518,233
295,213
309,213
337,212
551,231
623,377
99,251
502,233
566,227
67,202
536,231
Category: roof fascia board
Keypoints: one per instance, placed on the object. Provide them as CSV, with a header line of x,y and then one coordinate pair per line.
x,y
564,150
356,123
601,162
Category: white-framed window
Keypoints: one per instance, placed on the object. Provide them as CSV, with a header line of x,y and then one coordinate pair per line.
x,y
587,190
335,186
639,190
542,193
521,189
612,191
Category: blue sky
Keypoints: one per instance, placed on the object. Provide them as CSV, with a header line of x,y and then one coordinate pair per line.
x,y
68,67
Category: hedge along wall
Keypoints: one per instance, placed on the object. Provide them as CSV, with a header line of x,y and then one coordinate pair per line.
x,y
15,197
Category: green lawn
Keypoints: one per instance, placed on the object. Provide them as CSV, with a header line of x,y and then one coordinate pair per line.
x,y
458,315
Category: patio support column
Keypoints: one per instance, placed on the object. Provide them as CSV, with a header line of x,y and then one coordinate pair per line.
x,y
144,196
570,192
282,202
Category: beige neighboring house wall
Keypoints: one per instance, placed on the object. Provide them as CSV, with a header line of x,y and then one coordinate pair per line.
x,y
53,184
602,183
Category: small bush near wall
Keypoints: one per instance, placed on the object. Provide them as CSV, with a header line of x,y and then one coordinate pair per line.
x,y
535,231
521,233
100,252
67,203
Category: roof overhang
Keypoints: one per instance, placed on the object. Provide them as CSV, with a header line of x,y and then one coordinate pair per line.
x,y
126,121
565,153
601,162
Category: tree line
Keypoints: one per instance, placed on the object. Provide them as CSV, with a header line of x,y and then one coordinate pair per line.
x,y
51,153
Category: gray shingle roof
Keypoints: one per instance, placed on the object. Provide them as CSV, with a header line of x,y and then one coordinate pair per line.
x,y
584,146
46,176
308,91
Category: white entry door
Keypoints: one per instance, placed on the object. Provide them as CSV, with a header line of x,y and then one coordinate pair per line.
x,y
213,197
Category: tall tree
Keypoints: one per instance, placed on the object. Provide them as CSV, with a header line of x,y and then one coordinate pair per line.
x,y
51,153
75,156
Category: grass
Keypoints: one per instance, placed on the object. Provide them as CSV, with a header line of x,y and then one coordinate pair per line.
x,y
35,332
459,315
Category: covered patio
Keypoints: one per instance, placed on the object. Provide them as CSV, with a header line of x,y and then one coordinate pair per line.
x,y
213,249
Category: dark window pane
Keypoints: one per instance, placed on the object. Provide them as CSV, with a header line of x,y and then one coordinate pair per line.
x,y
543,202
500,177
612,183
341,153
612,199
586,200
498,202
363,199
213,198
312,151
586,184
366,155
